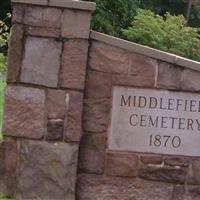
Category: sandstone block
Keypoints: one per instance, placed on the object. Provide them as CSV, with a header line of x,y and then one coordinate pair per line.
x,y
188,193
24,112
98,85
142,72
194,172
99,187
41,62
17,13
76,24
142,65
92,153
169,76
151,159
43,17
190,80
132,81
121,164
56,104
74,62
15,53
43,31
47,170
165,174
34,2
73,122
96,115
110,59
75,4
177,161
55,129
8,166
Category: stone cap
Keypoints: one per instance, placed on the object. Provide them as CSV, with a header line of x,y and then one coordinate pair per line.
x,y
144,50
73,4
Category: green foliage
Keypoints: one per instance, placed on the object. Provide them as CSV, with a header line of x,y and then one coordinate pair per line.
x,y
195,17
2,197
113,15
4,32
162,6
168,33
4,37
3,62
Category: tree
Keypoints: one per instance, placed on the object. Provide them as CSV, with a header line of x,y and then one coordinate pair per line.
x,y
113,15
168,33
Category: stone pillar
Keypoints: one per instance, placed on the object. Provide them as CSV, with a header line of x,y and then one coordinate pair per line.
x,y
44,97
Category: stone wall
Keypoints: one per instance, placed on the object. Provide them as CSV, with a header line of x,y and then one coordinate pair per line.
x,y
59,100
106,174
44,98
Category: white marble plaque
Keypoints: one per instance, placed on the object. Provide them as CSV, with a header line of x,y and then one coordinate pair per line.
x,y
155,121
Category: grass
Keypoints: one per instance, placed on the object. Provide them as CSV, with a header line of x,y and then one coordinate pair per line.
x,y
4,198
2,87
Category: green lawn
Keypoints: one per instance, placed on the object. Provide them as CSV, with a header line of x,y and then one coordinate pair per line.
x,y
4,198
2,87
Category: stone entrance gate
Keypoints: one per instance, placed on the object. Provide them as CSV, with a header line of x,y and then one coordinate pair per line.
x,y
58,108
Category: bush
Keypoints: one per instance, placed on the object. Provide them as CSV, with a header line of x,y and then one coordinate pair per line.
x,y
168,33
4,37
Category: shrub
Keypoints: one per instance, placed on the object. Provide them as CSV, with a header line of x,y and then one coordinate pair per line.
x,y
168,33
4,37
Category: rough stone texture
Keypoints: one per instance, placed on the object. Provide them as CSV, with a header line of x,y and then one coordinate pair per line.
x,y
97,187
194,172
98,85
56,104
55,129
75,4
74,62
73,122
142,65
45,17
110,59
42,32
142,72
15,53
8,166
47,170
17,13
188,193
165,174
177,161
169,76
132,81
92,153
151,159
24,112
190,80
41,62
121,164
96,115
34,2
76,24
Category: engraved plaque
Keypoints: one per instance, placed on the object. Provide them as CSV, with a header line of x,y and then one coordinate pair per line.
x,y
155,121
